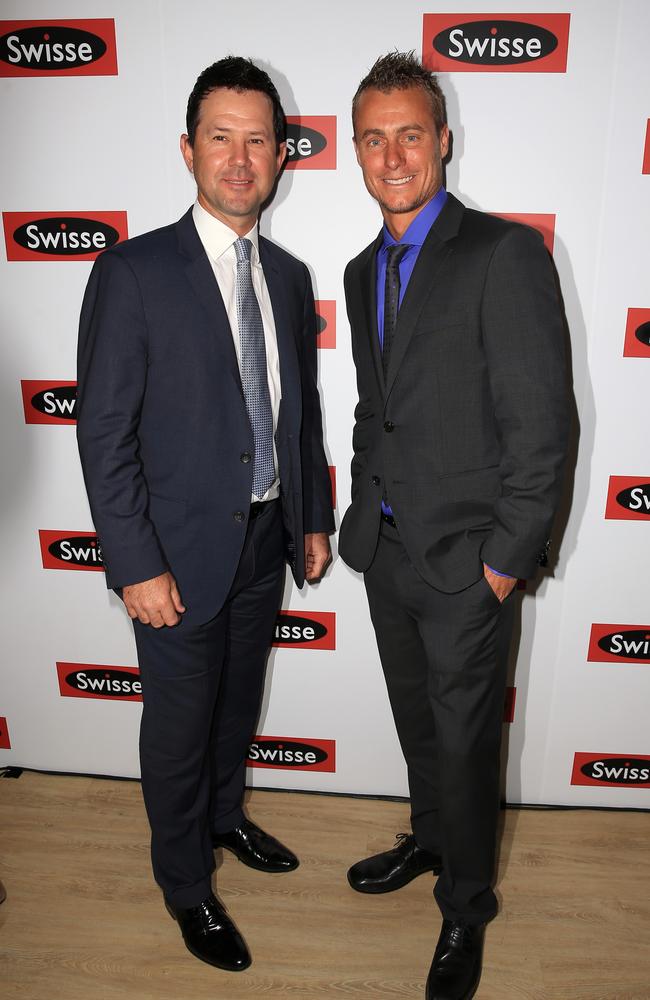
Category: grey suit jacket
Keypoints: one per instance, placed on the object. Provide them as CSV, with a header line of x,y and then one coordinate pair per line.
x,y
467,437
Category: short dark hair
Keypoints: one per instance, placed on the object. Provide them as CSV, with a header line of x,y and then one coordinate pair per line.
x,y
238,74
399,71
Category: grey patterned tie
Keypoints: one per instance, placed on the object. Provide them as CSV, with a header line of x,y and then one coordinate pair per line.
x,y
254,376
394,254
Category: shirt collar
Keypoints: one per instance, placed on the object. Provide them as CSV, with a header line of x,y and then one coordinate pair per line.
x,y
417,232
217,237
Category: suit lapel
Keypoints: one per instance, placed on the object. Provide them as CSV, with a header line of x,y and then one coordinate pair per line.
x,y
204,284
285,335
368,288
435,251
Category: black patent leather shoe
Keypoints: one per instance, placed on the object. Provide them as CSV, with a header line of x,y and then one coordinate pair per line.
x,y
392,869
457,961
256,848
210,935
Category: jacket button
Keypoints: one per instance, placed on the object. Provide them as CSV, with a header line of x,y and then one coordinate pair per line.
x,y
245,457
239,515
375,480
389,426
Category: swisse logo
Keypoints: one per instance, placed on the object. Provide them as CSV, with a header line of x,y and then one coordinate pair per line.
x,y
326,323
313,630
49,402
311,142
502,43
543,222
637,334
78,236
628,498
332,472
93,680
611,769
5,742
63,48
78,550
619,644
288,753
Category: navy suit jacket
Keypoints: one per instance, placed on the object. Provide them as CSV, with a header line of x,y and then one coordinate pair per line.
x,y
467,437
164,436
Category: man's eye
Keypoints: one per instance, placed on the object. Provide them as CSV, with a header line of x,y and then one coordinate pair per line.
x,y
219,138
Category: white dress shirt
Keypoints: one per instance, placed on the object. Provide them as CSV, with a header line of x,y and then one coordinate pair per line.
x,y
218,241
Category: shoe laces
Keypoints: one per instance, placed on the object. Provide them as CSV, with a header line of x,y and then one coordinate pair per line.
x,y
402,838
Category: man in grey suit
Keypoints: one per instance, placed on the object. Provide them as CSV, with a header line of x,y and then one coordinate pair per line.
x,y
459,443
200,435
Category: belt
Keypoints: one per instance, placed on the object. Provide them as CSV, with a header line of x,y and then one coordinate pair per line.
x,y
389,519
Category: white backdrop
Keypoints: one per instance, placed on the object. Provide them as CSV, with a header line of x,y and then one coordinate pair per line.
x,y
569,145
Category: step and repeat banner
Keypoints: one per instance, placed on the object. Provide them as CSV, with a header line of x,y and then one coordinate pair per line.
x,y
549,106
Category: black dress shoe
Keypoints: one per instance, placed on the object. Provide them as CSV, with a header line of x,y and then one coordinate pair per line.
x,y
395,868
210,935
256,848
456,968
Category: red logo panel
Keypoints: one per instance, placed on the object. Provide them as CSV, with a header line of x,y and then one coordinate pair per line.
x,y
49,236
71,550
5,742
332,471
58,48
646,152
326,323
619,644
544,223
94,680
49,402
611,769
637,334
291,753
311,142
495,43
628,498
308,630
509,707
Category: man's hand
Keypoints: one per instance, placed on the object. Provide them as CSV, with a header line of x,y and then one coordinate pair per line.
x,y
318,555
155,602
501,585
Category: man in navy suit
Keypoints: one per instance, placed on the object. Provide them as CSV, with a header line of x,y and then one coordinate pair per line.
x,y
200,436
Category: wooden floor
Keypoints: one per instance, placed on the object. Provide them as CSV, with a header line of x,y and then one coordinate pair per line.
x,y
84,921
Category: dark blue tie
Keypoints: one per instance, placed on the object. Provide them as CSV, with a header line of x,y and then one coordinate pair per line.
x,y
394,254
254,376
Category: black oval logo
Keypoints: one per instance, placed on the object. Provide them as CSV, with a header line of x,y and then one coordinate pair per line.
x,y
636,498
321,324
291,629
495,43
58,401
51,47
285,754
77,550
642,334
303,142
633,644
116,683
617,770
65,236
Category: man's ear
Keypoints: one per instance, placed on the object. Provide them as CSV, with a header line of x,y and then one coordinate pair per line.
x,y
187,152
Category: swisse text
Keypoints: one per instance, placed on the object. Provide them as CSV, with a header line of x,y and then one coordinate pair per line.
x,y
60,401
637,498
288,756
51,47
616,771
317,630
493,42
85,680
66,236
303,142
631,645
78,550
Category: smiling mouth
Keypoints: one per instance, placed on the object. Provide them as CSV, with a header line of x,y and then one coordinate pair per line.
x,y
239,181
398,181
